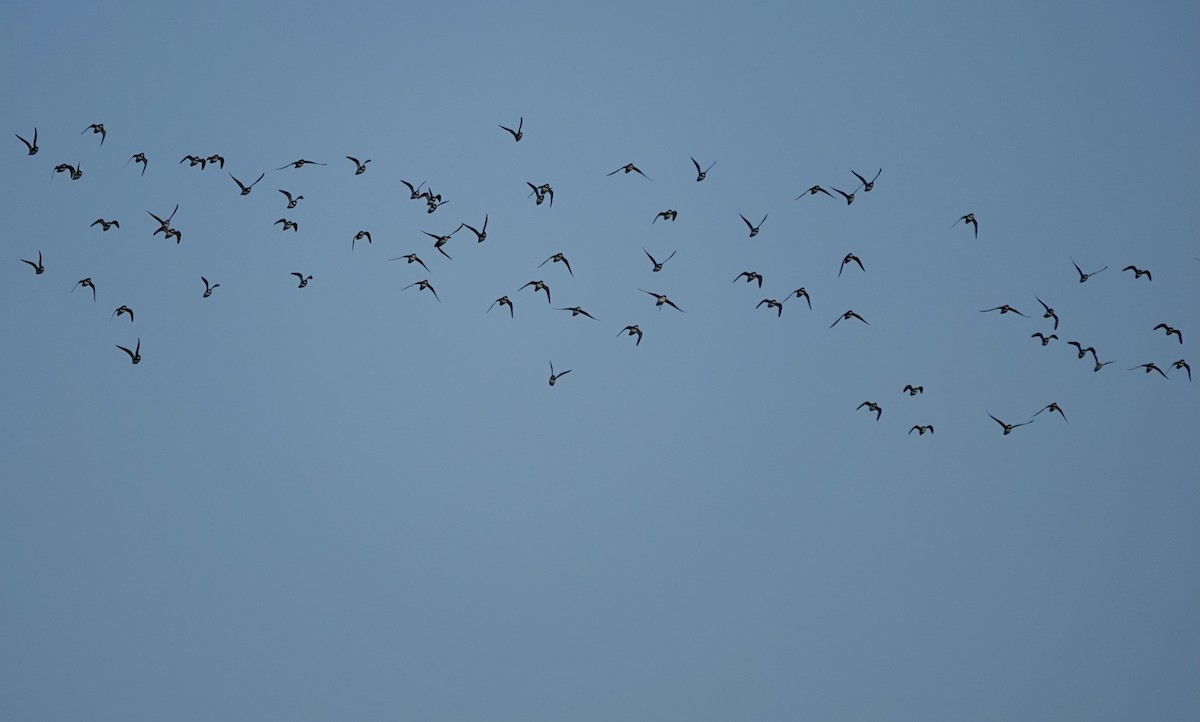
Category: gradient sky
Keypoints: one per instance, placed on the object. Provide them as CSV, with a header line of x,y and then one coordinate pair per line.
x,y
351,501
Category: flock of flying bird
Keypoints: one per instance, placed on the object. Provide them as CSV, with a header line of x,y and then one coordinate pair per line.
x,y
543,192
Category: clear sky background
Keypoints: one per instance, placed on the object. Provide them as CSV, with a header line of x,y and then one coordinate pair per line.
x,y
351,501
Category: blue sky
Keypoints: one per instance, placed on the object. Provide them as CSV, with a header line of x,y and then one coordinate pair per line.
x,y
355,501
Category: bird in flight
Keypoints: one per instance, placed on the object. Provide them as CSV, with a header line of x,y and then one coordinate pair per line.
x,y
360,168
751,277
631,168
1052,407
105,225
411,258
850,258
247,188
1009,427
299,164
517,134
577,311
439,241
1098,364
913,390
423,285
813,191
503,301
872,406
1043,337
1169,330
634,331
1149,367
921,429
218,159
164,224
1049,313
76,171
123,309
1181,364
1083,351
539,194
358,237
558,258
136,355
207,288
659,266
867,185
195,160
1138,273
538,286
800,293
555,377
291,201
700,175
413,193
86,283
303,279
753,228
846,317
96,128
667,215
1084,276
772,303
848,196
480,233
38,268
293,226
969,218
139,158
1003,310
660,299
31,147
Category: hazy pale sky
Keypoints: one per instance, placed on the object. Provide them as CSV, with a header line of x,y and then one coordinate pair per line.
x,y
354,500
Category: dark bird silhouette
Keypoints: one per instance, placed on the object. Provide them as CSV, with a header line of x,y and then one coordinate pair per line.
x,y
247,188
1098,364
300,164
813,191
969,218
700,175
439,241
414,193
1149,367
96,128
631,168
360,168
1083,351
1003,310
291,201
193,161
480,233
411,258
850,258
660,299
31,147
555,377
921,429
293,226
1169,330
123,309
517,134
1009,427
846,317
173,232
753,228
164,223
867,185
577,311
913,390
801,293
772,303
303,279
540,196
38,268
423,285
1052,407
848,196
658,266
136,355
139,158
872,406
538,286
632,331
750,276
667,215
1138,273
218,159
207,288
558,258
1181,364
1084,276
86,283
503,301
1043,337
105,225
1049,313
76,170
358,237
